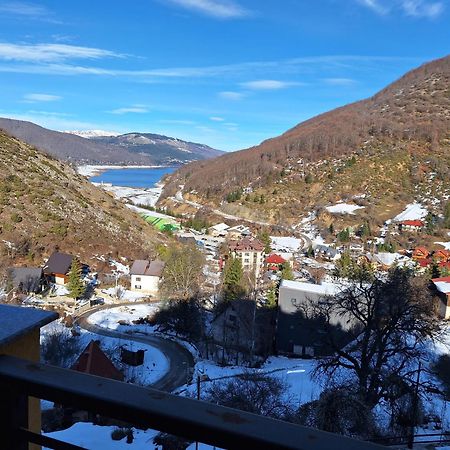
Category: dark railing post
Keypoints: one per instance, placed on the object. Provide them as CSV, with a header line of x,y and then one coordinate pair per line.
x,y
13,418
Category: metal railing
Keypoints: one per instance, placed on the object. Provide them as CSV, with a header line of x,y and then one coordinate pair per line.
x,y
144,408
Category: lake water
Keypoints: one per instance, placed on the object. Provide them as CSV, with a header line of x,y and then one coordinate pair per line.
x,y
135,177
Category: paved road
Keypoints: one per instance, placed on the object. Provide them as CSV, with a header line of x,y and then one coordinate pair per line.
x,y
307,243
181,362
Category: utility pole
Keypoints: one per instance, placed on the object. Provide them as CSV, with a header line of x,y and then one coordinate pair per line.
x,y
414,408
198,398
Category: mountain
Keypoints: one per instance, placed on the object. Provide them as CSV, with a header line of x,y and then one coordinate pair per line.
x,y
88,134
128,149
168,149
45,204
385,147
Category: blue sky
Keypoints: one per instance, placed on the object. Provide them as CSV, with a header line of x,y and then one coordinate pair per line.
x,y
228,73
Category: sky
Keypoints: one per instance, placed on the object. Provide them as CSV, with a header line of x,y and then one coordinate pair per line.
x,y
227,73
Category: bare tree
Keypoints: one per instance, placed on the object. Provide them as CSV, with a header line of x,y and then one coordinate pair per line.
x,y
389,322
183,272
255,393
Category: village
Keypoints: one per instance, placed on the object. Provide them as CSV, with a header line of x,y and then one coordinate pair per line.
x,y
246,313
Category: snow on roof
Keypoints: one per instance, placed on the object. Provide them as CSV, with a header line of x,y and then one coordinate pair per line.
x,y
220,227
442,284
343,208
321,289
286,243
413,211
16,321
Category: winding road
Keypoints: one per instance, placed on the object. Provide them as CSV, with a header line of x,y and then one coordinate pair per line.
x,y
181,361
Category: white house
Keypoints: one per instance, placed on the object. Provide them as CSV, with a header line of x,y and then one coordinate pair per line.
x,y
219,230
146,275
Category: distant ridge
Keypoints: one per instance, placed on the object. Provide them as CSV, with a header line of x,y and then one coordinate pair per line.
x,y
128,149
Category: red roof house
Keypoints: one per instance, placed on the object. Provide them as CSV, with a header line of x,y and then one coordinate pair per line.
x,y
274,261
411,225
442,255
421,253
94,362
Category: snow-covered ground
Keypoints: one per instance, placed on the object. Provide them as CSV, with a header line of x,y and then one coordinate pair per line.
x,y
92,436
88,435
413,211
137,196
444,244
343,208
109,318
126,295
296,373
155,364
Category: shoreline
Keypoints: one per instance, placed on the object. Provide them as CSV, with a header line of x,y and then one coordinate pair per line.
x,y
90,171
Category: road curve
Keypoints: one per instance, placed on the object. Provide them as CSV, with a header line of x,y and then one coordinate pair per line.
x,y
181,361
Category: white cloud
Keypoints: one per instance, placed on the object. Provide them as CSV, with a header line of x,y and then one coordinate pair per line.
x,y
49,53
413,8
217,119
222,9
375,5
25,10
136,109
267,85
420,8
339,81
231,95
33,98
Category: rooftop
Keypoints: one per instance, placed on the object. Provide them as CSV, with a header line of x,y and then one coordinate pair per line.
x,y
321,289
442,284
16,321
145,267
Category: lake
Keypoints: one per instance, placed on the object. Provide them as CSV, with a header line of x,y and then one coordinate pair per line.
x,y
133,177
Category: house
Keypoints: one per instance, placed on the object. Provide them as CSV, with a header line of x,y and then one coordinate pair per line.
x,y
27,279
219,230
442,285
241,327
94,362
251,253
411,225
442,255
57,268
420,253
239,231
295,333
146,275
274,262
385,260
326,252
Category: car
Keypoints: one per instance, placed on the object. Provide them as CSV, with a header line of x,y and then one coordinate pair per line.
x,y
96,301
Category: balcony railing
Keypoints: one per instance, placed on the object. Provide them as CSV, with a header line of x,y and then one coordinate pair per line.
x,y
145,408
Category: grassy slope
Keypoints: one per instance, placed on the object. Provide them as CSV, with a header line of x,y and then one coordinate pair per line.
x,y
45,204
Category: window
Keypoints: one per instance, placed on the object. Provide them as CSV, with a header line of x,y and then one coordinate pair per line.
x,y
294,301
138,278
137,286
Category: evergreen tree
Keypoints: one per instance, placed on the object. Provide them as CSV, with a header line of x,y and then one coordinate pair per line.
x,y
447,215
232,279
272,297
286,271
75,285
265,239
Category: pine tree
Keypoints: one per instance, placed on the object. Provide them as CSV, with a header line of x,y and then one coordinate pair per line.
x,y
265,239
286,271
75,285
232,279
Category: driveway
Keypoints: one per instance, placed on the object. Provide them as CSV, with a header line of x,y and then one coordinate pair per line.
x,y
181,361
